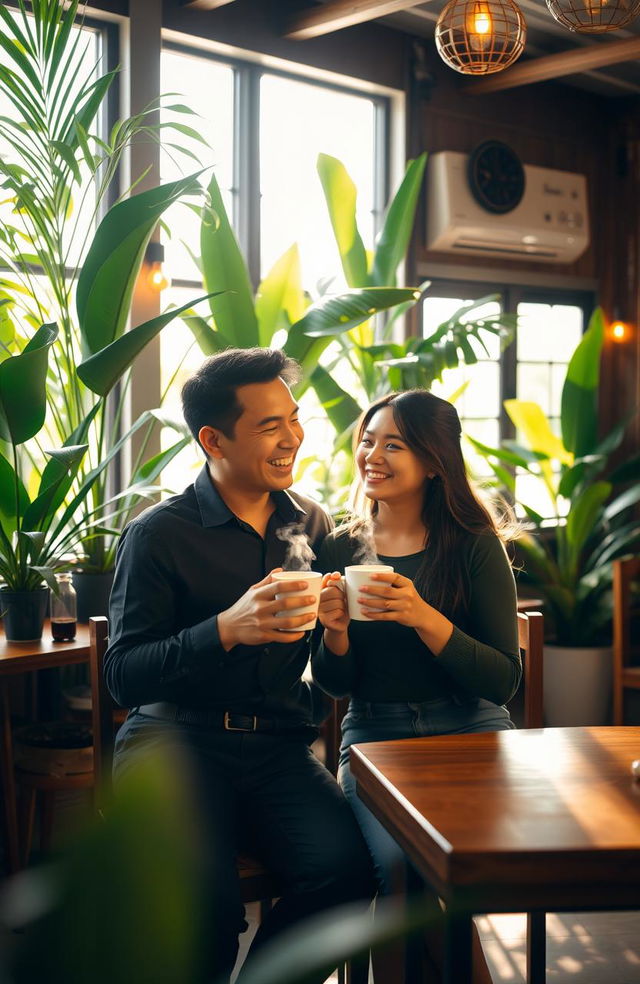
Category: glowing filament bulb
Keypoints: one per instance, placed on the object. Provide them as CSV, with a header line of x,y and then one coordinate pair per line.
x,y
157,279
619,330
480,27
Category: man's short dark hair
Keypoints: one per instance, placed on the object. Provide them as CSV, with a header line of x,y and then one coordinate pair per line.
x,y
209,397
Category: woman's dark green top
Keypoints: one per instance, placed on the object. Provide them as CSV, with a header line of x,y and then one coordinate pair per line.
x,y
387,661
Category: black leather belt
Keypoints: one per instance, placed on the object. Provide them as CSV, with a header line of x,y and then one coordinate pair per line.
x,y
226,720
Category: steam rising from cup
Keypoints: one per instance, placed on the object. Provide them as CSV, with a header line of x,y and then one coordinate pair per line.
x,y
365,552
299,555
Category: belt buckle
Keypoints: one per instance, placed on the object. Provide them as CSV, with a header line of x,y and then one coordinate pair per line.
x,y
229,727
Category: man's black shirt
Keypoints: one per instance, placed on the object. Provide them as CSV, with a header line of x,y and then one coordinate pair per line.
x,y
179,564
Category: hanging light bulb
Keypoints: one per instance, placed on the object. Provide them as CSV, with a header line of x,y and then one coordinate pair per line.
x,y
479,27
594,16
479,37
154,258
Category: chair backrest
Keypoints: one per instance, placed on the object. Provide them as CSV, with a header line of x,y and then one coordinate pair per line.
x,y
102,708
531,643
625,572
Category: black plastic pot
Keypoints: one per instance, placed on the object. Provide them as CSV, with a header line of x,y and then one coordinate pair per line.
x,y
23,613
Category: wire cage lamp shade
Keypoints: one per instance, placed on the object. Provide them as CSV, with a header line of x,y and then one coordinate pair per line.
x,y
594,16
479,37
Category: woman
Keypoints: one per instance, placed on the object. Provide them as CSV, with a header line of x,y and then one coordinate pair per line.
x,y
440,652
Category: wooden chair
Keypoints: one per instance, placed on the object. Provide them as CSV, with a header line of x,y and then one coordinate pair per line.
x,y
531,643
626,673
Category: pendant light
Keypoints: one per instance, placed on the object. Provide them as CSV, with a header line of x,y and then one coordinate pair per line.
x,y
479,37
594,16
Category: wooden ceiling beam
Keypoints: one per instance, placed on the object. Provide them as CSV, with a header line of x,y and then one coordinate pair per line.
x,y
336,14
204,4
556,66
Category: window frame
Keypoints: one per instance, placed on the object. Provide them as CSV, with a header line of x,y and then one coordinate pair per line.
x,y
511,295
246,193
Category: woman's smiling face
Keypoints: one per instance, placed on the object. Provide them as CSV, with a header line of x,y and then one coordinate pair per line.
x,y
388,468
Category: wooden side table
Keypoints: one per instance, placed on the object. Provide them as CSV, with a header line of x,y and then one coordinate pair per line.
x,y
24,657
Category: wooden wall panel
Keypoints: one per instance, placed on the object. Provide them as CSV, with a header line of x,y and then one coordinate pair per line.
x,y
556,125
620,276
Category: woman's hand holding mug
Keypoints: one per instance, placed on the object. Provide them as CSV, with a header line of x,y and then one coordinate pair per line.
x,y
393,598
333,614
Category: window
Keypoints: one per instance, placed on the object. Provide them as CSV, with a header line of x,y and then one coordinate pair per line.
x,y
265,129
533,367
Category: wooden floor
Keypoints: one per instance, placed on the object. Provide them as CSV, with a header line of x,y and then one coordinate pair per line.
x,y
582,948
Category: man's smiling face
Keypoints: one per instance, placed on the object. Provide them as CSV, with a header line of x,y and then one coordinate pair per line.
x,y
260,455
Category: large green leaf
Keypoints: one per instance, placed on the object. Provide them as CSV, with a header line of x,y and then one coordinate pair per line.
x,y
43,508
153,467
23,398
209,339
335,314
9,487
58,464
224,269
280,300
626,499
393,241
341,195
140,871
112,265
582,517
102,371
579,409
339,406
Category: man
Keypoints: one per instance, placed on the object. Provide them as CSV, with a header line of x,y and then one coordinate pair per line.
x,y
200,647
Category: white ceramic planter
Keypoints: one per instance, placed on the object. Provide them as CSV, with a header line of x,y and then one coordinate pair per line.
x,y
577,686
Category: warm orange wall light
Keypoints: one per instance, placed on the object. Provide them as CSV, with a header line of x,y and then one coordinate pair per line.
x,y
619,331
154,257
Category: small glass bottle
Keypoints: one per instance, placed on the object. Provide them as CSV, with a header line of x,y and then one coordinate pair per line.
x,y
64,612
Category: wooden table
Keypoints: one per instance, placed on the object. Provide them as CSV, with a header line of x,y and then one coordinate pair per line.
x,y
23,657
511,821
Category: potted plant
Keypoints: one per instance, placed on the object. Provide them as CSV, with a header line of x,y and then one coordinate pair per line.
x,y
31,542
56,176
568,551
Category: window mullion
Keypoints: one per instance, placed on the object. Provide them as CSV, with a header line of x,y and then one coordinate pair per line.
x,y
509,366
246,167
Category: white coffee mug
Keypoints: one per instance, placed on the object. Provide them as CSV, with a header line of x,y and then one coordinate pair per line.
x,y
314,586
357,575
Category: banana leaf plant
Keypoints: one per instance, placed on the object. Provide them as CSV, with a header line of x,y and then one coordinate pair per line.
x,y
56,176
568,551
374,359
281,309
238,318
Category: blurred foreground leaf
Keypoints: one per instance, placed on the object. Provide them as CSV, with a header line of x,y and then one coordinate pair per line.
x,y
120,906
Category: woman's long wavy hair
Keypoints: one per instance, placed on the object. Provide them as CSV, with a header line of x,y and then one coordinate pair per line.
x,y
451,509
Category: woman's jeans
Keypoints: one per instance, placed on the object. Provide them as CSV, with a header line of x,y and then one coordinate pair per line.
x,y
365,721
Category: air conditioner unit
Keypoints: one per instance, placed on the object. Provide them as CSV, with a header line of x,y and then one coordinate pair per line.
x,y
550,224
